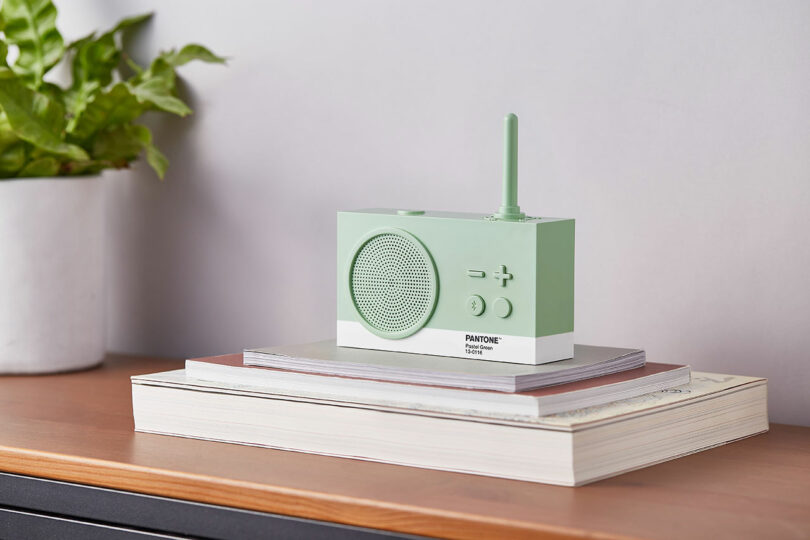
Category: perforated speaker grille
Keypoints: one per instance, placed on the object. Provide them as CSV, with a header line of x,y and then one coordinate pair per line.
x,y
393,283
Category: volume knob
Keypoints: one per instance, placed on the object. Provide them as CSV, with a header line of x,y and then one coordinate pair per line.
x,y
502,307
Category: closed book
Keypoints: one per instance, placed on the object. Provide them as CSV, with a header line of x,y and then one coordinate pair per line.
x,y
326,358
571,448
229,371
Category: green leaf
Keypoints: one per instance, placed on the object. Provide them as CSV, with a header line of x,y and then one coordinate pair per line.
x,y
118,145
35,118
159,69
131,64
76,100
114,107
190,52
95,59
157,161
73,168
12,149
155,88
154,157
129,22
12,158
155,92
79,42
31,26
46,166
53,92
7,135
3,54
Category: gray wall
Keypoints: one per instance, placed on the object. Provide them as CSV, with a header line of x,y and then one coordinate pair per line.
x,y
677,133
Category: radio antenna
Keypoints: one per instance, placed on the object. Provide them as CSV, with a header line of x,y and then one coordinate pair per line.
x,y
509,210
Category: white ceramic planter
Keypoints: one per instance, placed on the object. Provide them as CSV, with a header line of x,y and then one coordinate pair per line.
x,y
51,274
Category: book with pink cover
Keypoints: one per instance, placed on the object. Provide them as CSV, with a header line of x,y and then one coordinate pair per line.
x,y
229,372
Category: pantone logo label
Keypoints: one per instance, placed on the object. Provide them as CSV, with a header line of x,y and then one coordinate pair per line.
x,y
480,345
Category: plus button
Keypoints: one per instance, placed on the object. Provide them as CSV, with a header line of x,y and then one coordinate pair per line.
x,y
502,275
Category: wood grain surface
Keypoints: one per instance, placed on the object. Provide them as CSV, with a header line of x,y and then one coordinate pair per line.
x,y
78,427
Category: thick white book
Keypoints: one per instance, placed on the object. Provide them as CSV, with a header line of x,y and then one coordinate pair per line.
x,y
570,449
326,358
229,372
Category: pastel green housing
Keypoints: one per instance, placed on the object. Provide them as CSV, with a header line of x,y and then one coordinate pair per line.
x,y
529,265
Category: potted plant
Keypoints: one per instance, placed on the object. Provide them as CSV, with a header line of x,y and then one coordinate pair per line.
x,y
54,142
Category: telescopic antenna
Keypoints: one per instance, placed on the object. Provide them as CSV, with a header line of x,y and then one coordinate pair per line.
x,y
509,210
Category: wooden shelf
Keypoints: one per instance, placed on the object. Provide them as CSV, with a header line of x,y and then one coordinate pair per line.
x,y
78,427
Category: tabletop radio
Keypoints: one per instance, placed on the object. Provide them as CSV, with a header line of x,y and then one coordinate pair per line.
x,y
486,286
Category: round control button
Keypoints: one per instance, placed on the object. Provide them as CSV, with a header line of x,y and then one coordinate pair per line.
x,y
410,212
502,307
475,305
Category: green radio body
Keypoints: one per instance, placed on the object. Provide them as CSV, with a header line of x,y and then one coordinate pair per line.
x,y
456,284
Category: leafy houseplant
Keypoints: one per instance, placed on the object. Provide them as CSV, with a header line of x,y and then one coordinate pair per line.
x,y
48,130
52,307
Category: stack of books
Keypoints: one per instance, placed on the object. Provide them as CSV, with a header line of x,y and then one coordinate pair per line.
x,y
603,412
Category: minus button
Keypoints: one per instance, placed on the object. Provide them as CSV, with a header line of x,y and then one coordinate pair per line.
x,y
476,273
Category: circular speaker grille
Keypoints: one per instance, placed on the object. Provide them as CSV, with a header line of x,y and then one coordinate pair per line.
x,y
393,283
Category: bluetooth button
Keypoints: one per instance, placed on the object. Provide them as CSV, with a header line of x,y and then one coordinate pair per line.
x,y
475,305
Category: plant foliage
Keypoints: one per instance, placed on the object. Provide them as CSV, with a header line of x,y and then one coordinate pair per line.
x,y
88,126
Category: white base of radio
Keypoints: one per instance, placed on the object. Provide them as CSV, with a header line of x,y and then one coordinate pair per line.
x,y
493,347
